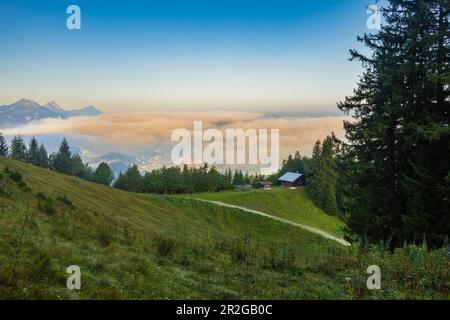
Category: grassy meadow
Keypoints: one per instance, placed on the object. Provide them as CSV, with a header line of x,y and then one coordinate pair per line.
x,y
136,246
294,205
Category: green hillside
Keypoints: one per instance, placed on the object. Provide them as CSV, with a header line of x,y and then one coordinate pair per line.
x,y
155,247
294,205
127,245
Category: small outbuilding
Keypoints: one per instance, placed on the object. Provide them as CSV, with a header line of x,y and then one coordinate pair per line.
x,y
292,180
265,185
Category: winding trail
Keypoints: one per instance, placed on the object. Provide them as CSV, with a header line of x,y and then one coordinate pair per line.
x,y
319,232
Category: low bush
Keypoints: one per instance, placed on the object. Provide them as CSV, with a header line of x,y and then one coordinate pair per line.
x,y
105,235
46,206
15,176
165,246
41,196
66,201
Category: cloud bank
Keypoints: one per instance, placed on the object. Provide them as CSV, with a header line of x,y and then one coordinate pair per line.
x,y
129,132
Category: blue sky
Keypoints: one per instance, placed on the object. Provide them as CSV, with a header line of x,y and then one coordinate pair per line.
x,y
182,55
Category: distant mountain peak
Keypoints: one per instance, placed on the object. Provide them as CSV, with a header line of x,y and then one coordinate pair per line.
x,y
25,102
54,106
26,110
89,107
86,111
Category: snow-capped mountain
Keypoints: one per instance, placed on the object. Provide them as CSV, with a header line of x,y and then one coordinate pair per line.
x,y
54,106
25,111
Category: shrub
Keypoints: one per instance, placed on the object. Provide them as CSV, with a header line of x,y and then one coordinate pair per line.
x,y
241,249
15,176
128,238
2,184
105,235
41,196
23,185
46,206
66,201
165,246
282,259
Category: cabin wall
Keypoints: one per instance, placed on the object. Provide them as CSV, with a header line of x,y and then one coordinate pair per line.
x,y
300,182
286,184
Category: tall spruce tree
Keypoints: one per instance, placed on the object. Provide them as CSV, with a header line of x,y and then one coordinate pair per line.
x,y
3,146
33,152
189,186
238,178
18,149
103,174
122,182
134,179
323,182
62,160
228,178
399,138
314,186
42,157
77,166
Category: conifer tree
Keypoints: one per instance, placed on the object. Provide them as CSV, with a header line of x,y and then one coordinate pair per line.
x,y
18,149
62,161
399,137
314,185
121,182
189,186
134,179
239,178
3,146
42,157
33,152
77,166
323,184
103,174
